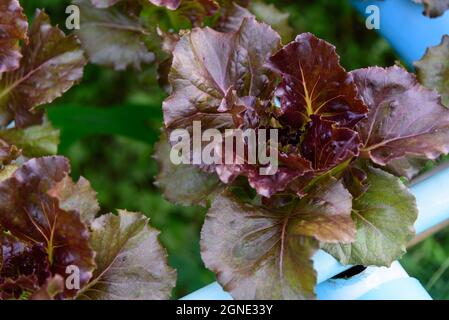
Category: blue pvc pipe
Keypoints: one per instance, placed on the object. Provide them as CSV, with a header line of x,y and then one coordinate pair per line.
x,y
404,26
410,33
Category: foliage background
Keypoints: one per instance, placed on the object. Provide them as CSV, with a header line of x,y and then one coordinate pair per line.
x,y
110,122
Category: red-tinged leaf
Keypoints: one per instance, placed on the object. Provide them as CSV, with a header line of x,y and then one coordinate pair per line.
x,y
50,289
355,180
434,8
216,78
253,256
13,28
433,69
76,197
265,185
266,179
169,4
326,145
51,64
231,17
208,65
22,286
408,167
104,3
19,258
169,40
132,264
31,215
23,267
261,253
197,10
268,185
314,83
405,119
192,186
194,10
113,38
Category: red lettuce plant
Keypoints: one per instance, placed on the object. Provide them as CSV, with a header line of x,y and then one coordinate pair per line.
x,y
49,232
37,65
345,139
53,244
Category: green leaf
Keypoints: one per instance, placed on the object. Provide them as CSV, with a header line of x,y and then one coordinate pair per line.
x,y
271,15
197,10
232,15
131,263
384,217
183,184
433,69
112,38
266,253
7,171
34,141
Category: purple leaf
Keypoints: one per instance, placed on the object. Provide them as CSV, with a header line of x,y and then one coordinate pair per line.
x,y
314,83
261,253
405,119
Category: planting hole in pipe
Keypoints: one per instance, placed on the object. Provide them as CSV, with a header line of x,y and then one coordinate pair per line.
x,y
350,272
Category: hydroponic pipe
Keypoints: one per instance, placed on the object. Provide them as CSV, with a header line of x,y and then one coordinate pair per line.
x,y
374,283
432,197
410,33
404,26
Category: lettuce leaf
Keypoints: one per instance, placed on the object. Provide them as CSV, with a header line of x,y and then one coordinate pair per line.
x,y
265,253
404,119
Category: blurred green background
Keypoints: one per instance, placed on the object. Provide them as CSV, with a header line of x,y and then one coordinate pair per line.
x,y
111,120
